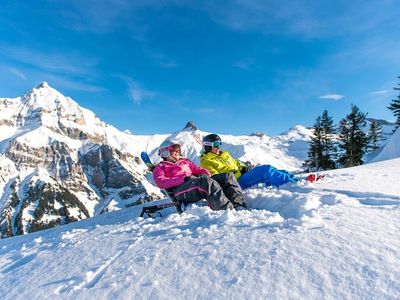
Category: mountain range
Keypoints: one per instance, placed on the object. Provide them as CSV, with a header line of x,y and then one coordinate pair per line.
x,y
60,163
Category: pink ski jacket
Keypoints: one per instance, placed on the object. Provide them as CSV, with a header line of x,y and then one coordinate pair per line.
x,y
169,175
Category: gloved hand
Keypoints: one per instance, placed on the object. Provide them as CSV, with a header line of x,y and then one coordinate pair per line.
x,y
247,167
244,170
189,178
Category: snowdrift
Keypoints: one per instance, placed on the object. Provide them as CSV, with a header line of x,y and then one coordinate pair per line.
x,y
338,238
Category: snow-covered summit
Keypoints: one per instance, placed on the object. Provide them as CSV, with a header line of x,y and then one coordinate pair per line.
x,y
295,141
297,132
44,114
43,106
48,98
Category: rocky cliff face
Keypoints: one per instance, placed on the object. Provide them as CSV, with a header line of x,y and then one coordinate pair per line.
x,y
59,163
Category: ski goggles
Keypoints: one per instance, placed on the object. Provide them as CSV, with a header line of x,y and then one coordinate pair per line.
x,y
171,148
216,144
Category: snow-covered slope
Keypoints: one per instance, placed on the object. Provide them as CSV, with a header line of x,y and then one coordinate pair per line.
x,y
337,238
390,150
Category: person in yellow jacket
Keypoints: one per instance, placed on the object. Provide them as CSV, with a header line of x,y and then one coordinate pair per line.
x,y
217,162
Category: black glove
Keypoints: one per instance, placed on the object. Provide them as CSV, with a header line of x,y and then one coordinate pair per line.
x,y
244,170
187,178
247,167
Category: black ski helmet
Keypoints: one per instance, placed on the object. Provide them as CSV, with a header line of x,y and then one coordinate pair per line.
x,y
210,139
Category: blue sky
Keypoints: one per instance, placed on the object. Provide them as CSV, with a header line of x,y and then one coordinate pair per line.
x,y
233,67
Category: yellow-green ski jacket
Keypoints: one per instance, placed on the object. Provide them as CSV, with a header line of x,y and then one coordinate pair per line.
x,y
221,163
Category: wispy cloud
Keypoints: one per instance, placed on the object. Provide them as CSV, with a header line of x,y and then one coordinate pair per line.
x,y
334,97
70,70
381,92
162,60
136,91
108,15
244,64
270,17
17,73
77,85
205,110
57,62
303,17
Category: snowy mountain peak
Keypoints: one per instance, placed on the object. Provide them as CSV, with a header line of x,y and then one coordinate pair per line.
x,y
258,133
190,125
381,122
44,114
43,84
44,95
297,131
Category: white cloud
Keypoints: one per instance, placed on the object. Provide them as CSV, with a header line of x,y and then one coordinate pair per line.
x,y
302,17
57,81
168,64
77,85
107,15
381,92
136,91
334,97
205,110
54,62
244,64
17,73
162,60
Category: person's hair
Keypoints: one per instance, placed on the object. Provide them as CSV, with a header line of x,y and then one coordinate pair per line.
x,y
175,147
165,152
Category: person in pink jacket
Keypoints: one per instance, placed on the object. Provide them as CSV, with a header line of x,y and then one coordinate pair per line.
x,y
190,183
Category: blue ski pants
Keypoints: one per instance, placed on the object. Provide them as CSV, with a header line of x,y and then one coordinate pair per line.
x,y
267,175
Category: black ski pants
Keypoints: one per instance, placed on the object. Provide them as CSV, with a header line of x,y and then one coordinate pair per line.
x,y
196,189
231,188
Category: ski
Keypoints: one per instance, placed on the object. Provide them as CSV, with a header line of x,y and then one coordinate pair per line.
x,y
146,159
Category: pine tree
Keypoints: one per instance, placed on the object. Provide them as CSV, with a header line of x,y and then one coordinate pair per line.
x,y
353,139
314,153
328,142
395,107
374,135
322,145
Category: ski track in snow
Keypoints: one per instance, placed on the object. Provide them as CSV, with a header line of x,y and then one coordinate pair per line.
x,y
92,277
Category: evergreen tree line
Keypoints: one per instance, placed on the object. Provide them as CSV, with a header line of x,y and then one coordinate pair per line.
x,y
345,145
